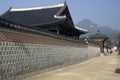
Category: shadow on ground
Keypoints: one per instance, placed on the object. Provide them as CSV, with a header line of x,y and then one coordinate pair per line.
x,y
117,70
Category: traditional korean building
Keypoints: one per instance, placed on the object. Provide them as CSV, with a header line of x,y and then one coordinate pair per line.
x,y
54,18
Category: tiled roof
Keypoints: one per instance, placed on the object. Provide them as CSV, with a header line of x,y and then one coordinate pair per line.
x,y
34,16
98,35
41,16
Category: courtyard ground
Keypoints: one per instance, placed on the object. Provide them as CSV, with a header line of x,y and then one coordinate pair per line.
x,y
100,68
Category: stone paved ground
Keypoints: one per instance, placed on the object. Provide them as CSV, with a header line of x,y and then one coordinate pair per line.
x,y
100,68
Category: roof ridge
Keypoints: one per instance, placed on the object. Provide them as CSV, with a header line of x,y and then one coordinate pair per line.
x,y
37,8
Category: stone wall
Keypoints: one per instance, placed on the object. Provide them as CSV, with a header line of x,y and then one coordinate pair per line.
x,y
25,54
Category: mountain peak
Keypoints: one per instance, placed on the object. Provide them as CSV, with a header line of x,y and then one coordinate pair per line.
x,y
93,28
86,23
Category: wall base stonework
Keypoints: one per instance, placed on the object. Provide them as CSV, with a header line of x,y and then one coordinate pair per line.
x,y
19,60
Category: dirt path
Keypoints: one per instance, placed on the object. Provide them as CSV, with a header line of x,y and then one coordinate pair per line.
x,y
100,68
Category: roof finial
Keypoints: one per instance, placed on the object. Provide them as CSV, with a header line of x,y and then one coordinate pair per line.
x,y
65,2
10,7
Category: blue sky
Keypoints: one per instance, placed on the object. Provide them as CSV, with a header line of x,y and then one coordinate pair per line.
x,y
103,12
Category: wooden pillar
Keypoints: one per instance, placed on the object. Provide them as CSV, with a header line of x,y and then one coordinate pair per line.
x,y
78,36
101,47
58,32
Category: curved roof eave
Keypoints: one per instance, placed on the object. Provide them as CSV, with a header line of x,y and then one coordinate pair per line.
x,y
81,29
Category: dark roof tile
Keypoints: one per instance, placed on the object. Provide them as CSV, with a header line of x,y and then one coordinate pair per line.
x,y
32,17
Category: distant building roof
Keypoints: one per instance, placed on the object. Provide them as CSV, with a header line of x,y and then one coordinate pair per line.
x,y
98,35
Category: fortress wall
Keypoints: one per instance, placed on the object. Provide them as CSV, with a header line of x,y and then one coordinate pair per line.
x,y
24,54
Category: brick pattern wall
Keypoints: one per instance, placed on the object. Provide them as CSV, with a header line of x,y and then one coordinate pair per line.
x,y
23,55
13,36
